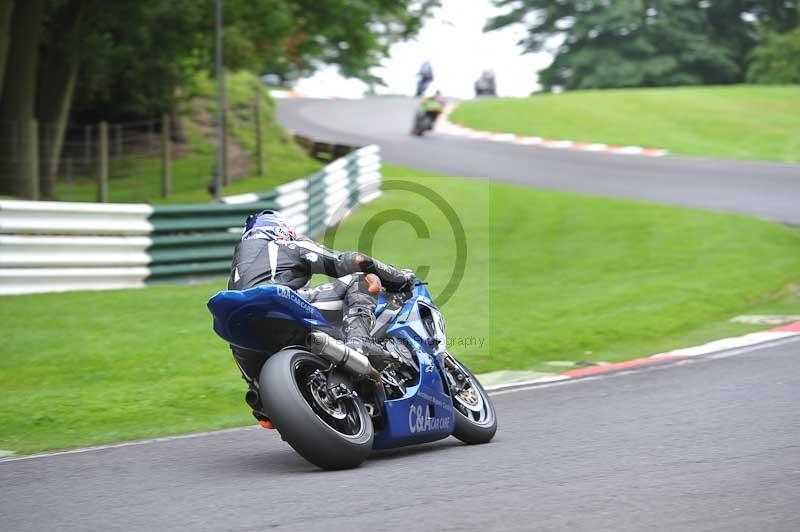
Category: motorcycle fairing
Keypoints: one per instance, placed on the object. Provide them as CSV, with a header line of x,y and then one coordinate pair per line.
x,y
237,311
425,413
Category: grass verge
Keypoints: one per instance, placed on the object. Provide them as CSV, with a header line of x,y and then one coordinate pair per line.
x,y
548,276
737,122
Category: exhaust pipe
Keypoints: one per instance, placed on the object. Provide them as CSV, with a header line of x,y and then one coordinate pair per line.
x,y
253,399
335,351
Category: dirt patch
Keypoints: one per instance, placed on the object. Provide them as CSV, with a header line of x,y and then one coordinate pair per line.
x,y
239,159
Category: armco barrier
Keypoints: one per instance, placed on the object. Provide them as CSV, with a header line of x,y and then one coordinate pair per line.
x,y
58,246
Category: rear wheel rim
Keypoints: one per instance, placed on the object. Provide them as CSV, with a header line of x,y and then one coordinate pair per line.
x,y
341,414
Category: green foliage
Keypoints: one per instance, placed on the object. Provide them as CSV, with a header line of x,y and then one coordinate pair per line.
x,y
138,54
355,36
643,43
777,60
135,56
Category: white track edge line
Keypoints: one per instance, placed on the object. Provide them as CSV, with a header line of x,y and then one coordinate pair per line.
x,y
133,443
453,129
715,355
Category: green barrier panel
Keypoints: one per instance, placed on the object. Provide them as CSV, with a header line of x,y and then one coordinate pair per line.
x,y
196,223
352,186
316,176
200,217
169,211
315,189
316,213
195,239
222,267
188,255
315,203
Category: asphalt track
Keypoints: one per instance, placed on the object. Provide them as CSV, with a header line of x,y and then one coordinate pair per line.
x,y
703,445
766,190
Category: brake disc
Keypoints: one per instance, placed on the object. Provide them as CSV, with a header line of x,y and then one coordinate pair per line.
x,y
323,396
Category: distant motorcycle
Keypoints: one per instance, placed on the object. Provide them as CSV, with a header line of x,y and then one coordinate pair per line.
x,y
485,85
333,405
426,115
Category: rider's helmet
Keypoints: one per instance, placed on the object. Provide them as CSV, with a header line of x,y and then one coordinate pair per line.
x,y
269,225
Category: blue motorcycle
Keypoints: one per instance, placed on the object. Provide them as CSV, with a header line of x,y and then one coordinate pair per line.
x,y
332,404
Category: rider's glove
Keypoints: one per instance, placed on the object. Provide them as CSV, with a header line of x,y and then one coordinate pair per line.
x,y
410,279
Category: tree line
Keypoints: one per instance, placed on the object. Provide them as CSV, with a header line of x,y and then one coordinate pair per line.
x,y
126,59
648,43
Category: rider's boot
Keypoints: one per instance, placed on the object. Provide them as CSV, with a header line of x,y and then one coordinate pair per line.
x,y
359,319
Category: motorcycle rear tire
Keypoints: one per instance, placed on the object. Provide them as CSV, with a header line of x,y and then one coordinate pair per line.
x,y
300,425
418,128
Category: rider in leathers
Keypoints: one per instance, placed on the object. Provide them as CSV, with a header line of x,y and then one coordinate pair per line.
x,y
271,252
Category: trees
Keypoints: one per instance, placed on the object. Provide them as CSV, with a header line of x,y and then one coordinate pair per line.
x,y
355,36
56,79
142,50
640,43
777,60
17,107
6,10
137,58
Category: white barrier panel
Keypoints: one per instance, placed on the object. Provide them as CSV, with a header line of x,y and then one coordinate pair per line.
x,y
51,251
67,218
299,184
291,198
249,197
297,213
39,280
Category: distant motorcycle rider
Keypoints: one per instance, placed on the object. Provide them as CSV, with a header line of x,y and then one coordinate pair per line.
x,y
433,104
485,85
427,113
424,77
271,252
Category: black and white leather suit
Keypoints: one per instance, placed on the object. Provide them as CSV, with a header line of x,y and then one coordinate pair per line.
x,y
259,260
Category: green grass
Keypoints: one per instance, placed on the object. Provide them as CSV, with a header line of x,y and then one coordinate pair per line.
x,y
191,169
737,122
549,276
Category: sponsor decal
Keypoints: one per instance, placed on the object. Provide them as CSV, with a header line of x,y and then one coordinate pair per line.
x,y
311,257
437,402
419,421
288,293
286,243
